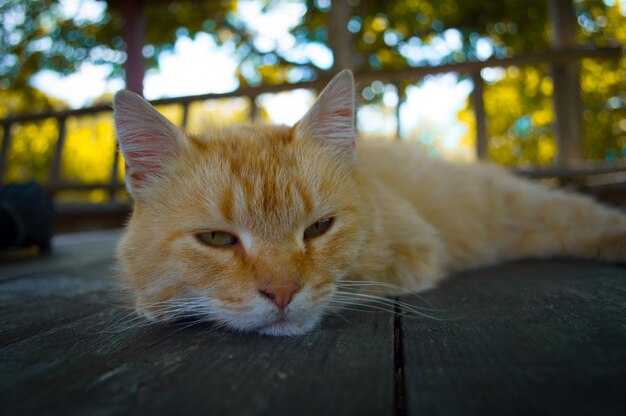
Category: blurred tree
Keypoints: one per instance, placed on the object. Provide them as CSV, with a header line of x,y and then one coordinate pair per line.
x,y
399,34
90,139
37,35
385,34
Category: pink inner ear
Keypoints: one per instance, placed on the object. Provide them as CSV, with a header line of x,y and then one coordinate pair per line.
x,y
148,140
344,112
144,162
331,118
142,167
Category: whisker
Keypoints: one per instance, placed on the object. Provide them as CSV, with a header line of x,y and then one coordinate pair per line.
x,y
364,283
381,301
386,300
365,308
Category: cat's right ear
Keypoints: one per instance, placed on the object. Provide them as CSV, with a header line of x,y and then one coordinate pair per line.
x,y
149,142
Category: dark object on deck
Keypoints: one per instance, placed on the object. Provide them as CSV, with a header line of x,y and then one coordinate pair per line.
x,y
524,338
26,216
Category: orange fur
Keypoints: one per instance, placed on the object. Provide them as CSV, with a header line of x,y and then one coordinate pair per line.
x,y
400,218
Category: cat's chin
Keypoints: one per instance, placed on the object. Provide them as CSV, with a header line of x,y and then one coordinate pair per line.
x,y
282,328
277,324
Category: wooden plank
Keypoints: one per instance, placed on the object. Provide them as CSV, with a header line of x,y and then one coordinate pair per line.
x,y
18,324
56,299
525,338
69,251
75,280
345,367
51,359
71,347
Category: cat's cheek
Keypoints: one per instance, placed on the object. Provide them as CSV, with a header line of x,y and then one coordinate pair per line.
x,y
205,266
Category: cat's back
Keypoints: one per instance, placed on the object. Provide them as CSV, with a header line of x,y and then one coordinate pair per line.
x,y
461,200
408,170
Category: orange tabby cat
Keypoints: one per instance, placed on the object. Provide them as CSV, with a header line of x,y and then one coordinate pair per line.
x,y
259,228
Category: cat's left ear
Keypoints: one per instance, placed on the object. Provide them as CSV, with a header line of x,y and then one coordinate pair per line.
x,y
331,119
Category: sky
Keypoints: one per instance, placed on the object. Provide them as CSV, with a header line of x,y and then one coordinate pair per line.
x,y
198,66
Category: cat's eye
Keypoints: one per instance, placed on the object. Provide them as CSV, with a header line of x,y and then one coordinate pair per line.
x,y
318,228
217,238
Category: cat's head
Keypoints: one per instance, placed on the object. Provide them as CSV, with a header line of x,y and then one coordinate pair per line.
x,y
249,226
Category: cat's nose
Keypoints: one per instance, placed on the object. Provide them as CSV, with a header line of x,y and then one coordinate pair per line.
x,y
280,294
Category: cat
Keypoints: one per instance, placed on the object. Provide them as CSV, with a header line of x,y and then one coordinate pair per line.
x,y
264,228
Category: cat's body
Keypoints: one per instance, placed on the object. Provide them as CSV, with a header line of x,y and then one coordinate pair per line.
x,y
257,227
480,213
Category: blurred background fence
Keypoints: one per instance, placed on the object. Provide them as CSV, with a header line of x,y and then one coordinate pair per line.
x,y
546,83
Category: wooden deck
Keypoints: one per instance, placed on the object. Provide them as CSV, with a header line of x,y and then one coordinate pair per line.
x,y
533,337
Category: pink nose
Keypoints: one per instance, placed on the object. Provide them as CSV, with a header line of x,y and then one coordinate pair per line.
x,y
280,294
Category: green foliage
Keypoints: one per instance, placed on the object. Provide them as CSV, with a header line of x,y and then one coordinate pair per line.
x,y
34,35
88,152
384,29
603,83
385,34
520,118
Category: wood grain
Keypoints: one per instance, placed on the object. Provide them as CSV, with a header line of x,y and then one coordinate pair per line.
x,y
67,347
533,337
69,252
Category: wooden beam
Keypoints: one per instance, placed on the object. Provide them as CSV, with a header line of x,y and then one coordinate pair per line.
x,y
134,39
566,78
339,37
478,102
527,337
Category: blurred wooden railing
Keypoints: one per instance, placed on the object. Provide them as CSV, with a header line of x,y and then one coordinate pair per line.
x,y
565,169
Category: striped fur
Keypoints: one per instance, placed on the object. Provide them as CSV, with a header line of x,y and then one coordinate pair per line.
x,y
402,220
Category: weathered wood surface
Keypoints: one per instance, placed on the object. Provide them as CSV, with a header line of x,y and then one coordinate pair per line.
x,y
534,337
71,348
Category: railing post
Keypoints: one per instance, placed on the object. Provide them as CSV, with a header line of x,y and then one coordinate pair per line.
x,y
6,141
133,33
55,168
400,95
114,181
566,79
185,116
254,108
478,102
